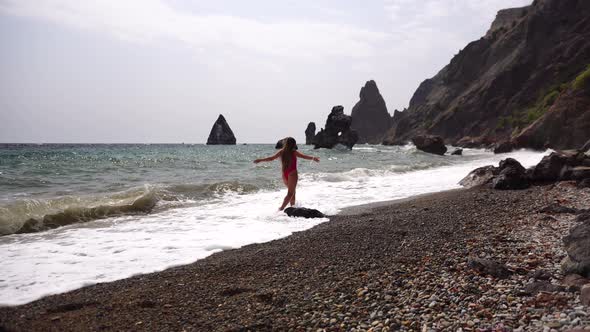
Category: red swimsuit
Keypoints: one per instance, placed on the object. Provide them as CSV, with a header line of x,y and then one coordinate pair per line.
x,y
292,167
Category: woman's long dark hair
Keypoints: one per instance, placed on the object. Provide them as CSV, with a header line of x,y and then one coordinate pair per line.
x,y
289,144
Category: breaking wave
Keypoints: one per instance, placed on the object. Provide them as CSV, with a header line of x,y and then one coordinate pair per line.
x,y
36,215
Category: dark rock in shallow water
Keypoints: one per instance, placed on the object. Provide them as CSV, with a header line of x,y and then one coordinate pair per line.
x,y
303,212
577,246
337,131
369,116
489,267
512,176
457,152
310,133
430,144
221,133
480,176
503,147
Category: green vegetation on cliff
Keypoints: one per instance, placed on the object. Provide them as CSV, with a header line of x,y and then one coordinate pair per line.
x,y
524,118
582,79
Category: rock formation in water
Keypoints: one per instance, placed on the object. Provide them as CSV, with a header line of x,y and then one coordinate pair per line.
x,y
525,81
430,144
310,133
337,131
221,133
457,152
369,116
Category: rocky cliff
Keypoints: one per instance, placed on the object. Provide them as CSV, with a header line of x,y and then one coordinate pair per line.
x,y
221,133
524,81
369,116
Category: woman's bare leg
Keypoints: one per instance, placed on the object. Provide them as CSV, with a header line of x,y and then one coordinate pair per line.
x,y
291,184
296,176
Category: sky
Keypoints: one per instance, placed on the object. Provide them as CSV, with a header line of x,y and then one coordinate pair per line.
x,y
161,71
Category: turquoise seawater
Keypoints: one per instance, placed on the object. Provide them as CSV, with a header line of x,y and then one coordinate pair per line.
x,y
39,180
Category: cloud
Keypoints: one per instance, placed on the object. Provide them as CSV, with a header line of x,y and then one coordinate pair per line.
x,y
149,21
429,26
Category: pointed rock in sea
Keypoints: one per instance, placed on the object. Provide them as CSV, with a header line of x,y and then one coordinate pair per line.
x,y
221,133
370,117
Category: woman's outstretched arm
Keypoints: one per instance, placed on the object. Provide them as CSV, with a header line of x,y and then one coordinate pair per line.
x,y
271,158
304,156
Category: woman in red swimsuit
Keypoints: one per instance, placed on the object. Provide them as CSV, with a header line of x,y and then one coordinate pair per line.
x,y
289,156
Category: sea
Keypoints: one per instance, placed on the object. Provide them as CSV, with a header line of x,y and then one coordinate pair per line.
x,y
129,209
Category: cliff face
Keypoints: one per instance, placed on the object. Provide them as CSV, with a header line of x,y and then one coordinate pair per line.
x,y
512,79
369,116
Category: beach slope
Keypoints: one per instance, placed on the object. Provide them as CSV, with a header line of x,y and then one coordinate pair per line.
x,y
401,265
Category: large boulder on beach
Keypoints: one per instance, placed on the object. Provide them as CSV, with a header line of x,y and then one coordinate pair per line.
x,y
303,212
431,144
579,173
221,133
512,176
337,131
557,166
480,176
370,117
310,133
577,246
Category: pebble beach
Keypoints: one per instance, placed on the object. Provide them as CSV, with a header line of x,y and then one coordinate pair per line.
x,y
404,265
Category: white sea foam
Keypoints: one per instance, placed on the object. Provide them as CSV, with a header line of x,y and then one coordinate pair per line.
x,y
39,264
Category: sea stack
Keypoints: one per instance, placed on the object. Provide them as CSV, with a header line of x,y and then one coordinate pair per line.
x,y
370,117
337,131
310,133
221,133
